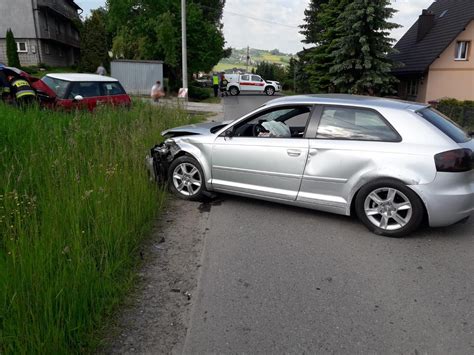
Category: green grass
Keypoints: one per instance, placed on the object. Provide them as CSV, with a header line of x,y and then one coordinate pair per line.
x,y
75,204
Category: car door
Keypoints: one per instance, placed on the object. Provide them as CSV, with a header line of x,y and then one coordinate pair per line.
x,y
347,142
245,83
258,83
254,162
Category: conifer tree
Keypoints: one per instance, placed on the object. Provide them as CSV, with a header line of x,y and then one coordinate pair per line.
x,y
312,27
359,58
12,52
319,59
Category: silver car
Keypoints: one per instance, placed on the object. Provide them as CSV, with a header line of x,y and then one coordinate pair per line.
x,y
392,163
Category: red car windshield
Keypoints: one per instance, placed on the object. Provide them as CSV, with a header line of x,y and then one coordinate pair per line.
x,y
58,86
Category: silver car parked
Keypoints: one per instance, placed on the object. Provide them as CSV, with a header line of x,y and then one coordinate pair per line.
x,y
392,163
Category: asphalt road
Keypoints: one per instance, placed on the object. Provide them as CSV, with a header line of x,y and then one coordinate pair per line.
x,y
280,279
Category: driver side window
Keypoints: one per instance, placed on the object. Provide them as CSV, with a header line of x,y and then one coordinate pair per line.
x,y
281,122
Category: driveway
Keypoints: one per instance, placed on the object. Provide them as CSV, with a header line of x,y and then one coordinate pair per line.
x,y
280,279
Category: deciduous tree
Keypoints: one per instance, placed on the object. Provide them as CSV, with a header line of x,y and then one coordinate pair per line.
x,y
151,29
94,44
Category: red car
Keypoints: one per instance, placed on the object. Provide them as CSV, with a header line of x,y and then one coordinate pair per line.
x,y
80,91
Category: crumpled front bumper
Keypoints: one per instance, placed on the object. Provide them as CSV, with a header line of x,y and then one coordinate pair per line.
x,y
158,161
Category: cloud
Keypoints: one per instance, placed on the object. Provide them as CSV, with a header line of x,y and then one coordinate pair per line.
x,y
269,24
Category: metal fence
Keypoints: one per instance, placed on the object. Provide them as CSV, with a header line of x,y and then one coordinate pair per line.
x,y
137,76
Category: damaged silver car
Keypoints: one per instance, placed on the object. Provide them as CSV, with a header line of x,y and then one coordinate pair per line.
x,y
392,163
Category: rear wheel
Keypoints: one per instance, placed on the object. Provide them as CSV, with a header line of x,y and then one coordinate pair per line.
x,y
234,91
270,90
186,178
388,207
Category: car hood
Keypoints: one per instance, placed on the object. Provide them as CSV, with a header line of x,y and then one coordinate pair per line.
x,y
193,129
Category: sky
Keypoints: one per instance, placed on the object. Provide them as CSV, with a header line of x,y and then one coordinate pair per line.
x,y
270,24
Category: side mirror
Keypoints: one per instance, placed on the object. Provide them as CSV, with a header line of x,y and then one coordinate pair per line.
x,y
78,98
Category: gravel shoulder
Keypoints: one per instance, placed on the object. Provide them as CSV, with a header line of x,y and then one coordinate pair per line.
x,y
157,312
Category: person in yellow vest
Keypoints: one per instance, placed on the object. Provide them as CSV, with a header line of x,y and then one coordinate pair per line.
x,y
215,84
21,91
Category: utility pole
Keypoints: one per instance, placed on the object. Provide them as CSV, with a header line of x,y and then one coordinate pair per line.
x,y
248,58
184,45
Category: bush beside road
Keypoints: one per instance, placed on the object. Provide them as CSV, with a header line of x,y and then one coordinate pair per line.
x,y
74,206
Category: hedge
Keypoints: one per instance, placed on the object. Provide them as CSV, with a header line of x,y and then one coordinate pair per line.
x,y
461,112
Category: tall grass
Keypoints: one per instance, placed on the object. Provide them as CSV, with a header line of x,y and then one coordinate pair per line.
x,y
74,205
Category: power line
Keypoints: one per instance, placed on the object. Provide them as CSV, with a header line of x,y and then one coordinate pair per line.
x,y
251,17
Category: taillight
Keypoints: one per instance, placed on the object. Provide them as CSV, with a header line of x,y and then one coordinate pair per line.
x,y
455,161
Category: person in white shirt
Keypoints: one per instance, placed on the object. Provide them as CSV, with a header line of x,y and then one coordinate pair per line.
x,y
157,92
101,70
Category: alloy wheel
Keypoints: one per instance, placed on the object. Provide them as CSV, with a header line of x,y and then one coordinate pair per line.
x,y
187,179
388,208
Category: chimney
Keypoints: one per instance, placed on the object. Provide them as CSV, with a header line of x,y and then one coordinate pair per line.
x,y
425,24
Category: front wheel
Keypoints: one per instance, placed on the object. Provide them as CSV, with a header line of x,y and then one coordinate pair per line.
x,y
186,178
389,208
270,90
234,91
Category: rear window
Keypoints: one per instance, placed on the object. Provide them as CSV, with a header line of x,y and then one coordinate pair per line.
x,y
445,125
58,86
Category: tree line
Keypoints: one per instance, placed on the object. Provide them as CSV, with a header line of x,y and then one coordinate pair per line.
x,y
348,42
151,29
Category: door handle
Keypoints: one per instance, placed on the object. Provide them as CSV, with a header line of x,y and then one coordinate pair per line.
x,y
313,151
294,152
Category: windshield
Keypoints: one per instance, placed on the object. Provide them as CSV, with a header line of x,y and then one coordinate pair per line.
x,y
58,86
445,125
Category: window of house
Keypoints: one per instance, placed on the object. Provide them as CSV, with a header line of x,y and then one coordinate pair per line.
x,y
355,124
412,87
46,48
60,52
22,47
46,24
462,50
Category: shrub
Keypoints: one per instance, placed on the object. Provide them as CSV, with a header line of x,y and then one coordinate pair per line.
x,y
198,93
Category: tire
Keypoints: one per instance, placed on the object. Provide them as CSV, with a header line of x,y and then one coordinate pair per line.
x,y
388,207
270,91
186,179
234,90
